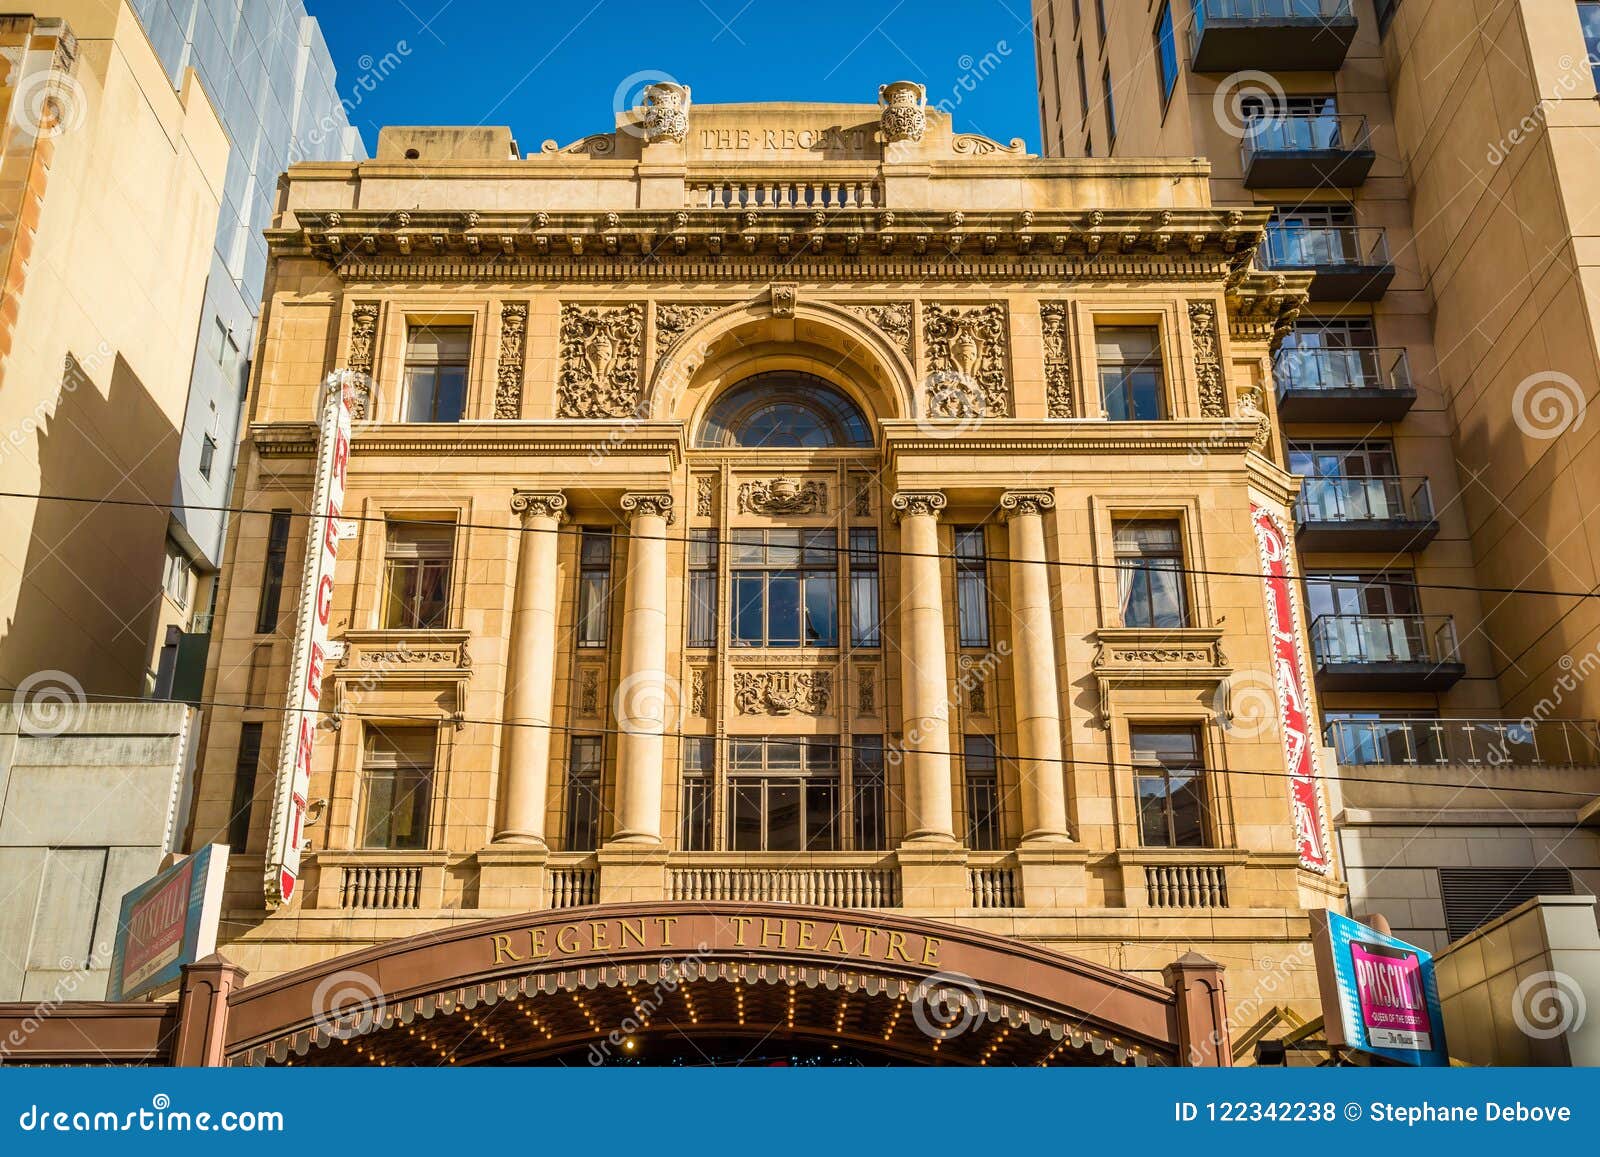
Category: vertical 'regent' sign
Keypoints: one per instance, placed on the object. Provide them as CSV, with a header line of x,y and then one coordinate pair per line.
x,y
292,787
1294,694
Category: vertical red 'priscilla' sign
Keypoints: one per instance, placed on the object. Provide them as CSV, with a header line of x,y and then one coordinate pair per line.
x,y
307,660
1294,696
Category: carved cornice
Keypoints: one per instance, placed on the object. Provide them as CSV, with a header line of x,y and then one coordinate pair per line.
x,y
526,504
622,440
1026,502
652,504
918,503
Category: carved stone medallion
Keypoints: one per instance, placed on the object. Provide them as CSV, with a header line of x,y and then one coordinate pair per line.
x,y
782,692
599,362
783,496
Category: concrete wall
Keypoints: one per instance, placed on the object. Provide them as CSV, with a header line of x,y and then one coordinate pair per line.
x,y
1525,989
89,800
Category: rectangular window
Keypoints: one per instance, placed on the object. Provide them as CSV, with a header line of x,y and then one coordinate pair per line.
x,y
1111,110
972,587
1150,582
982,771
869,792
702,588
1083,88
436,373
698,786
1100,19
594,587
1589,17
208,456
586,754
244,787
272,573
785,588
865,616
417,575
175,574
1169,779
397,780
783,795
1132,379
1166,54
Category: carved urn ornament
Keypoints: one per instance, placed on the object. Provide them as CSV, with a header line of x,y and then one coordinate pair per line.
x,y
905,111
666,112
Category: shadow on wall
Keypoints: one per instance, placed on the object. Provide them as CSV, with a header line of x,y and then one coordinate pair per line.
x,y
92,575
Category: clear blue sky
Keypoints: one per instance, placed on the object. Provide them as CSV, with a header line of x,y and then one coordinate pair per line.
x,y
553,70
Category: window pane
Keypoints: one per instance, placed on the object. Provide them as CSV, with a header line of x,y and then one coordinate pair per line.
x,y
1153,830
821,805
749,609
783,816
981,770
747,817
864,614
783,611
583,793
703,609
822,609
867,777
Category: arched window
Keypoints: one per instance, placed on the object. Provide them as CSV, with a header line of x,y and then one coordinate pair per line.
x,y
784,410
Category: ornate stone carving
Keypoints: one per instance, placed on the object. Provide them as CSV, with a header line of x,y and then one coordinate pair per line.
x,y
1015,502
866,691
893,318
974,681
1207,359
1057,360
863,507
905,111
359,357
911,503
966,352
702,496
783,496
782,692
977,145
599,362
526,504
513,345
697,692
1253,412
666,112
673,321
589,692
658,505
784,298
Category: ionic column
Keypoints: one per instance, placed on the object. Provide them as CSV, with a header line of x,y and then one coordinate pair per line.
x,y
642,700
924,686
1033,665
530,669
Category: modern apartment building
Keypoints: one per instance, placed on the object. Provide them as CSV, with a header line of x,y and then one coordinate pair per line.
x,y
268,73
1431,165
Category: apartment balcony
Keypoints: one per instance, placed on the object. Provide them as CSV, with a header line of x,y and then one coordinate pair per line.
x,y
1343,385
1555,743
1307,151
1386,653
1271,35
1348,262
1390,514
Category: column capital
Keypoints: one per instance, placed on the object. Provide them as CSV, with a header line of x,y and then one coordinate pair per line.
x,y
1014,503
526,504
656,504
912,503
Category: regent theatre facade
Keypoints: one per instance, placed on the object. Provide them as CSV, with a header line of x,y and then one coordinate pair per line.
x,y
800,589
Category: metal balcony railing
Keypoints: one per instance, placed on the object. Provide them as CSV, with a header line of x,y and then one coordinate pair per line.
x,y
1326,246
1377,640
1465,742
1355,368
1281,132
1378,499
1266,11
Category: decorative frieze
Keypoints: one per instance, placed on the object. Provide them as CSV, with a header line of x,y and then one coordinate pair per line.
x,y
600,353
697,692
892,318
359,357
866,691
783,496
513,350
780,693
1057,360
673,321
589,692
966,359
1207,359
863,500
702,496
